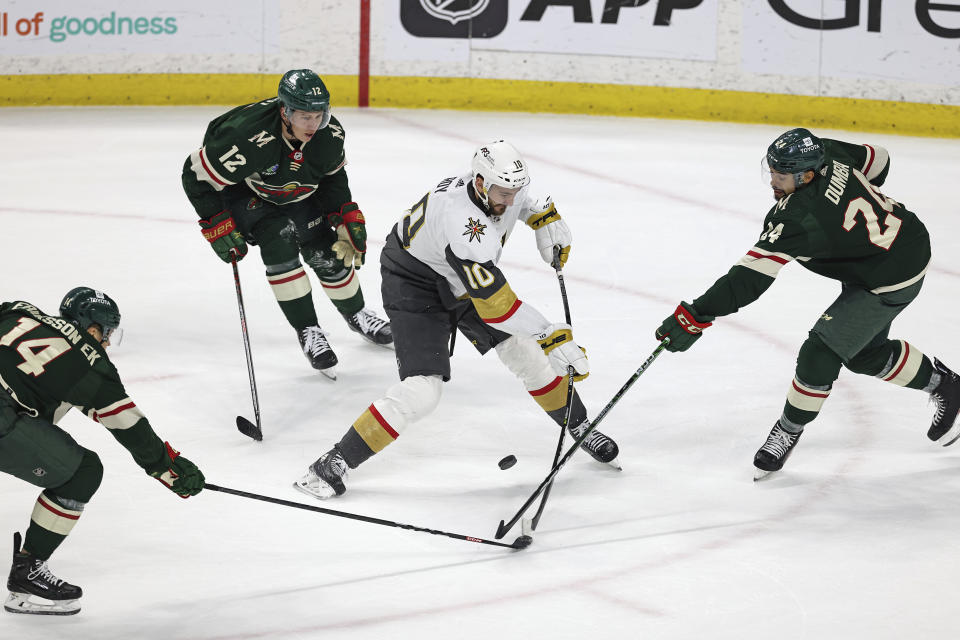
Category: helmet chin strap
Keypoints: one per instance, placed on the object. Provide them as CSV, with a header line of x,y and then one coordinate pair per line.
x,y
285,119
96,332
481,195
798,180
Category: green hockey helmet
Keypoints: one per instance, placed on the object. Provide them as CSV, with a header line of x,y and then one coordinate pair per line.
x,y
85,306
796,152
303,90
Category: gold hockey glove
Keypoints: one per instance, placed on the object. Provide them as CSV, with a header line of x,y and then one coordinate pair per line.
x,y
351,228
557,343
550,230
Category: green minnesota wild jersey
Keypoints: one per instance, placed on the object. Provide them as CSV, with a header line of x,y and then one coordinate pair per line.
x,y
48,365
246,145
840,226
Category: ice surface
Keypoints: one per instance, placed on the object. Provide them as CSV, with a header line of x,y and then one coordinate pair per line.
x,y
856,538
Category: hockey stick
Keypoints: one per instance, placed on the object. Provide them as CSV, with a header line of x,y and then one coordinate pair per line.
x,y
566,418
246,427
504,527
521,542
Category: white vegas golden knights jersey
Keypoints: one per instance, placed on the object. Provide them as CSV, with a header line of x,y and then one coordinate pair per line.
x,y
446,217
448,232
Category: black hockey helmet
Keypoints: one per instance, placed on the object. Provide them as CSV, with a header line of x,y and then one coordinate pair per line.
x,y
303,90
85,306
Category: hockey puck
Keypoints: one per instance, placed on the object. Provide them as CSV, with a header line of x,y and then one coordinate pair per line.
x,y
508,462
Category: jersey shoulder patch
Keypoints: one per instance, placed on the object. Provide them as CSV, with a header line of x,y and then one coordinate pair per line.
x,y
336,130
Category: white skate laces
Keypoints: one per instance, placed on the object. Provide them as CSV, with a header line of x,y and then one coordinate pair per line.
x,y
314,341
368,322
779,442
40,570
324,478
601,447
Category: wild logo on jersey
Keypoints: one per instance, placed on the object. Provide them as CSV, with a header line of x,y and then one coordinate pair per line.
x,y
291,192
474,229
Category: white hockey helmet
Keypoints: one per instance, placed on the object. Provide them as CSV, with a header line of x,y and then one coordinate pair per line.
x,y
499,163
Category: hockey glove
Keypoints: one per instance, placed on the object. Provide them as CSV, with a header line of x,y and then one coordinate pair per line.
x,y
351,244
557,343
550,231
177,473
221,232
684,327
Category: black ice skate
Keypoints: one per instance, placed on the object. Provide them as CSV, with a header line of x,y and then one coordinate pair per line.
x,y
34,590
600,447
944,428
774,452
324,478
318,351
372,328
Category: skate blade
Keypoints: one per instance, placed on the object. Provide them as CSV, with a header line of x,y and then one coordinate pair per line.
x,y
950,436
329,372
319,494
615,463
760,474
21,603
366,338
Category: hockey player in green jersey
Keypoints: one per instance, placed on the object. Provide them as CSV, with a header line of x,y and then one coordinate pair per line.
x,y
272,174
49,364
831,217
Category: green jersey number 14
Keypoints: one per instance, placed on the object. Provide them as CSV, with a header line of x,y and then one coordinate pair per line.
x,y
35,353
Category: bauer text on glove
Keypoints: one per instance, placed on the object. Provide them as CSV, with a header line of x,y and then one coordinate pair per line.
x,y
221,232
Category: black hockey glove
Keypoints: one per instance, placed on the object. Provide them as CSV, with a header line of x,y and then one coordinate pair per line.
x,y
221,232
684,327
176,473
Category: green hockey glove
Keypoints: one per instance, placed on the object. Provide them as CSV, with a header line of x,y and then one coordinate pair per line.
x,y
351,228
683,328
176,473
221,232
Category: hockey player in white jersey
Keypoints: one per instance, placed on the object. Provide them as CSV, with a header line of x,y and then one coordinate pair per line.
x,y
439,275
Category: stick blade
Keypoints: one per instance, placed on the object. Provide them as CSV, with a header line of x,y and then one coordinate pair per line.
x,y
249,429
501,530
523,542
